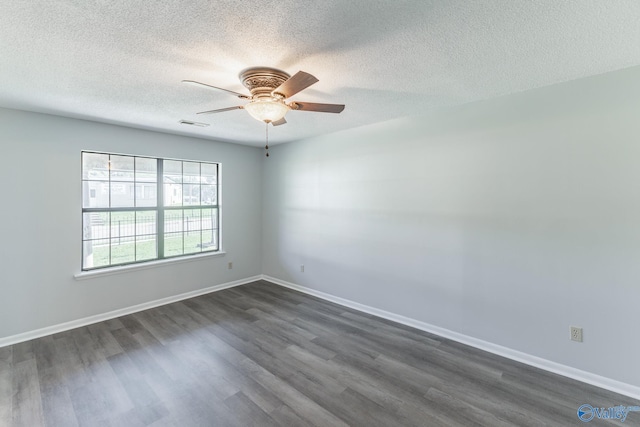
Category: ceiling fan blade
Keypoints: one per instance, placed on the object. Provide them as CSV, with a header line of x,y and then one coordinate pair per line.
x,y
295,84
279,122
220,110
321,108
239,95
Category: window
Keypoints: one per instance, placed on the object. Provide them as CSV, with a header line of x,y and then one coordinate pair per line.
x,y
136,209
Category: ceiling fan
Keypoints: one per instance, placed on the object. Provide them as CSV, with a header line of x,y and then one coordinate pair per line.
x,y
270,88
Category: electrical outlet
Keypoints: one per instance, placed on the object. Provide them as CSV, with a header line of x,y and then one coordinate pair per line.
x,y
576,334
302,268
230,266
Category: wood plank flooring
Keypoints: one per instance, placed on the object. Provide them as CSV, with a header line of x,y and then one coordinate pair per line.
x,y
263,355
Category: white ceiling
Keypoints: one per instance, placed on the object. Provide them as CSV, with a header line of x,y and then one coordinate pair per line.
x,y
121,61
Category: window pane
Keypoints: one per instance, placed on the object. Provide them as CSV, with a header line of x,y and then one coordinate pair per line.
x,y
190,172
209,195
207,222
146,195
122,194
123,224
123,250
95,194
146,169
95,166
122,168
173,221
209,173
172,171
209,240
192,219
122,232
191,194
93,224
192,243
173,194
209,219
96,253
146,223
146,248
173,244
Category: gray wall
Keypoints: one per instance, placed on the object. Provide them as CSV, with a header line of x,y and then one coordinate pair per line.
x,y
505,220
40,220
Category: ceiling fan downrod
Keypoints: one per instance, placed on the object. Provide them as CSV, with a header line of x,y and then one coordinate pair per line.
x,y
266,147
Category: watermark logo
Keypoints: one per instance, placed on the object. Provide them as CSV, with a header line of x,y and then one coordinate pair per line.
x,y
587,412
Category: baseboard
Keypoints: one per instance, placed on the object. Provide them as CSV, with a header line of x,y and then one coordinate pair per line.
x,y
547,365
49,330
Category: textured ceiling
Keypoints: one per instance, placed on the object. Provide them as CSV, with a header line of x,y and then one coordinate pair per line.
x,y
120,61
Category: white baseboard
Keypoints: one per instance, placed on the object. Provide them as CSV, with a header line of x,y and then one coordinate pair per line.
x,y
547,365
61,327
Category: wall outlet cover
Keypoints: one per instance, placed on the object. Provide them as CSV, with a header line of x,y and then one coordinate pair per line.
x,y
576,334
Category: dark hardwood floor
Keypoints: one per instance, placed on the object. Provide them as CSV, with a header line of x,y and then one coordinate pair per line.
x,y
263,355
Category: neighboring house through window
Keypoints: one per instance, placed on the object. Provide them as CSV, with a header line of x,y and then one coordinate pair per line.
x,y
137,209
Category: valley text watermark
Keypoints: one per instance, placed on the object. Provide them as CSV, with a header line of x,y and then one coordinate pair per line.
x,y
587,412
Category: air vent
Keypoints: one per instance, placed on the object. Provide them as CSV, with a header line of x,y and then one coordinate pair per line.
x,y
187,122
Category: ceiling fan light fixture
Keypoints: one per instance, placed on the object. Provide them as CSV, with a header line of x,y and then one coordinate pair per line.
x,y
267,109
270,88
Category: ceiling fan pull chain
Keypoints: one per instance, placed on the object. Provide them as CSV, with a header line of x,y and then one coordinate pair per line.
x,y
266,147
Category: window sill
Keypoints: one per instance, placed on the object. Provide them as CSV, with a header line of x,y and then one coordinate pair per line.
x,y
84,275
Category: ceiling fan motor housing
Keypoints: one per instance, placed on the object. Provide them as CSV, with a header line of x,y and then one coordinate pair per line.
x,y
261,81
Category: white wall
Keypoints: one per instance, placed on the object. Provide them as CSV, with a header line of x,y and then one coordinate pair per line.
x,y
40,220
505,220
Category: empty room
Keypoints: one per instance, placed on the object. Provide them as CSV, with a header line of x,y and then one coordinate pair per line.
x,y
338,213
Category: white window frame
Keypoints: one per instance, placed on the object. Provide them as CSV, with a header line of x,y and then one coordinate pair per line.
x,y
208,213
